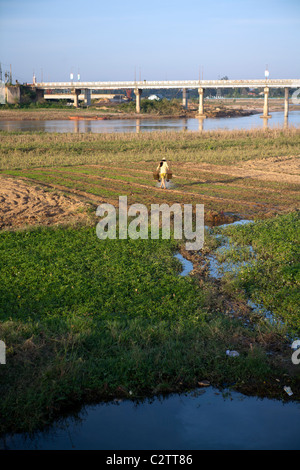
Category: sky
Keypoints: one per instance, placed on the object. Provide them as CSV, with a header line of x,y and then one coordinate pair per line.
x,y
149,40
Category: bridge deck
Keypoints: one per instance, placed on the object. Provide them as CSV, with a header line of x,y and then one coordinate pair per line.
x,y
278,83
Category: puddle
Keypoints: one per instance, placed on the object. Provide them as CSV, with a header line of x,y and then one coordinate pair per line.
x,y
186,264
218,268
202,420
238,222
169,185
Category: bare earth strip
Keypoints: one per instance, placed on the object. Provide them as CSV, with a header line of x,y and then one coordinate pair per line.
x,y
285,168
282,169
24,204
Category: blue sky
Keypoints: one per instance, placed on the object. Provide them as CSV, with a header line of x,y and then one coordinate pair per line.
x,y
163,40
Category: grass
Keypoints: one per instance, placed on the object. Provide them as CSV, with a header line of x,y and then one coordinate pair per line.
x,y
272,278
110,318
29,150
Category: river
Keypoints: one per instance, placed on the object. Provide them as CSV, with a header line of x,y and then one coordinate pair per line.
x,y
150,124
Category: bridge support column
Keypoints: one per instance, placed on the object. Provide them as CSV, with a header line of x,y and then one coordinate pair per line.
x,y
76,94
184,98
87,97
286,102
266,103
39,94
201,103
138,94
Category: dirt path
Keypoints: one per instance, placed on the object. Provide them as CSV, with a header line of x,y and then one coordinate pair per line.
x,y
25,204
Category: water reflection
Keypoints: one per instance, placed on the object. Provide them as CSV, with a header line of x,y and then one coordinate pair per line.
x,y
201,119
149,124
265,122
286,122
204,419
138,126
76,127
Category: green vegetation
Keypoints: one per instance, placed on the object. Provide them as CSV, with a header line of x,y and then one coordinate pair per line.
x,y
33,105
272,276
85,319
163,107
27,149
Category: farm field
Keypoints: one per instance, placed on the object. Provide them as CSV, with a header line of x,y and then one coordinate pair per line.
x,y
87,319
253,173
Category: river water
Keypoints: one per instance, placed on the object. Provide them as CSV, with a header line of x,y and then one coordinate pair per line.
x,y
148,124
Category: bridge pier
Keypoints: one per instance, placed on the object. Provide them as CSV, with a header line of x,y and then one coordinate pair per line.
x,y
266,104
286,102
87,97
138,94
201,103
39,94
184,98
76,92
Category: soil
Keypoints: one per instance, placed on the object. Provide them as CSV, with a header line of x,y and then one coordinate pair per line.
x,y
281,169
23,204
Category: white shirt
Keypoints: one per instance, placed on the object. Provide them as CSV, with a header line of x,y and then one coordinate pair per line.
x,y
163,168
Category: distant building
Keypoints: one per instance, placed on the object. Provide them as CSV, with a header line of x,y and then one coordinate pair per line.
x,y
155,97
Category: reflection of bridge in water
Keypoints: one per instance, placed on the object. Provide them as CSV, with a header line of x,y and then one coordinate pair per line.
x,y
138,125
85,89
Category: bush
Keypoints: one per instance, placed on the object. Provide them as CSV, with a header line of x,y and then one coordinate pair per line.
x,y
154,107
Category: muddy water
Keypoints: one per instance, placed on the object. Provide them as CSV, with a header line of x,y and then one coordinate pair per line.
x,y
149,125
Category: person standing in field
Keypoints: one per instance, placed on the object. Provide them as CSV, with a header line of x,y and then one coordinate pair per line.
x,y
163,170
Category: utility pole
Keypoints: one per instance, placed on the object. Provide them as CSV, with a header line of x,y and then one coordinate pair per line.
x,y
0,73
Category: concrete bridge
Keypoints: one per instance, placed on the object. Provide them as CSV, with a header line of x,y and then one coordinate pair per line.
x,y
138,86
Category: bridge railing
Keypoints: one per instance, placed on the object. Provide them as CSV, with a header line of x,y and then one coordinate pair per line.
x,y
276,83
